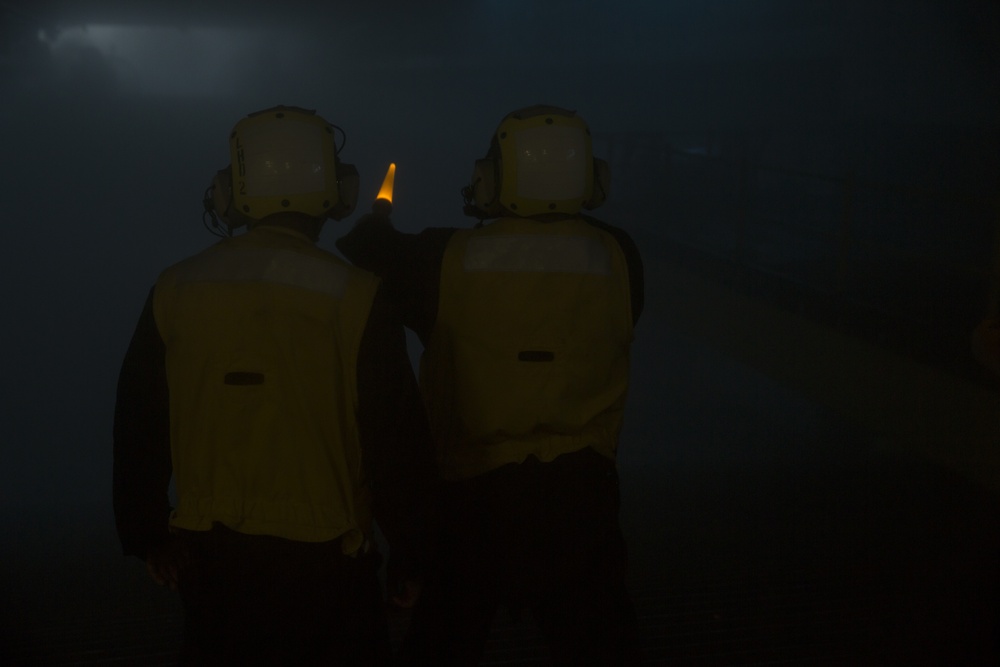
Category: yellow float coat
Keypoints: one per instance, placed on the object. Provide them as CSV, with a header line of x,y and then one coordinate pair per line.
x,y
262,334
529,354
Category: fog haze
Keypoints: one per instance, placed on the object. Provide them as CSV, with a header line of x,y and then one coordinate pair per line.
x,y
115,115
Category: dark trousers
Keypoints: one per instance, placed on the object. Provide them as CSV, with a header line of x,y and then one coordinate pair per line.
x,y
258,600
538,536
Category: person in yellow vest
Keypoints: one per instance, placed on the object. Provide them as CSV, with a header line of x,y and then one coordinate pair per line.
x,y
269,379
526,322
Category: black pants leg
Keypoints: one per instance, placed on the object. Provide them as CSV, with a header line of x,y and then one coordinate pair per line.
x,y
539,535
253,600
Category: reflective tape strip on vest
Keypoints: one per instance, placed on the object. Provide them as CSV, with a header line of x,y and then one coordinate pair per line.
x,y
529,354
262,334
282,267
531,252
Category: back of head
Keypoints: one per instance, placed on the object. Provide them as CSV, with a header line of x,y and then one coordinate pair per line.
x,y
284,162
540,162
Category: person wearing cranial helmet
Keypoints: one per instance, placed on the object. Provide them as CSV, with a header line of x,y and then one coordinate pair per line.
x,y
269,379
284,167
526,321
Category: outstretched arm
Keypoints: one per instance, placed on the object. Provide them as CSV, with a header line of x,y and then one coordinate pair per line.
x,y
408,264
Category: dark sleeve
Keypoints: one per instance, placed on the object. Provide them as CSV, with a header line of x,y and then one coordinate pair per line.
x,y
142,466
395,439
633,259
409,265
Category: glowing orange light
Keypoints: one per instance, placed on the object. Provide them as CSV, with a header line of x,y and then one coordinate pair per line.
x,y
385,192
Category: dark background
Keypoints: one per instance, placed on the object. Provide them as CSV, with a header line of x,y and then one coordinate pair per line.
x,y
848,151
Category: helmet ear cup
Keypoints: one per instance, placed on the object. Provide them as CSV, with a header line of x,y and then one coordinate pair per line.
x,y
222,200
348,184
222,193
601,186
484,190
484,182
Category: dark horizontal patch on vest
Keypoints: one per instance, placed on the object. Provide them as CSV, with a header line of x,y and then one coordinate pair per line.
x,y
244,378
535,355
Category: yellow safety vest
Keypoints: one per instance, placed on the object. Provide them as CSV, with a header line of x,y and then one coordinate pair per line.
x,y
262,334
530,350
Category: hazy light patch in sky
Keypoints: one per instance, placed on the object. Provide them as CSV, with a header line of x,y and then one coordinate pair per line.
x,y
157,60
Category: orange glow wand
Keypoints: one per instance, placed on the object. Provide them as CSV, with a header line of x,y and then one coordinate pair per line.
x,y
383,201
